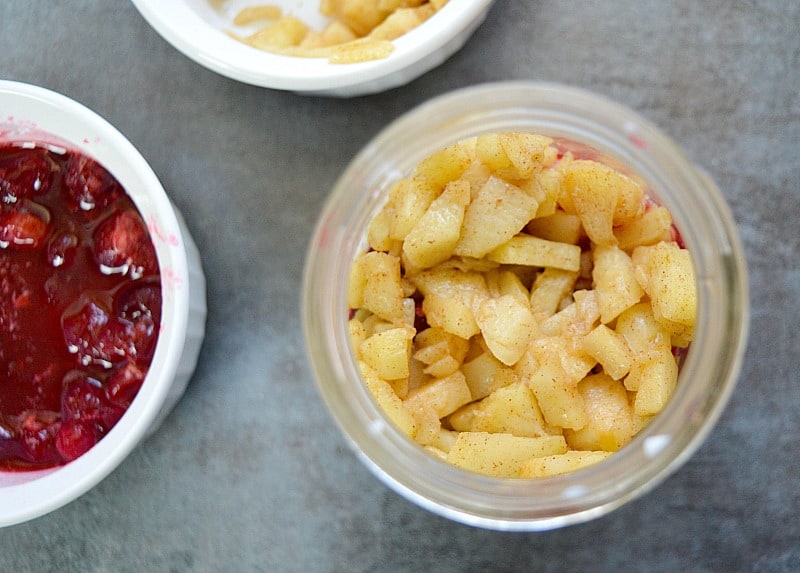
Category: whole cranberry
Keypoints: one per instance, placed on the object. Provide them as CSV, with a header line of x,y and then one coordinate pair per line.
x,y
140,308
84,398
89,184
37,431
83,328
10,448
76,437
61,249
122,245
27,173
95,335
23,226
124,383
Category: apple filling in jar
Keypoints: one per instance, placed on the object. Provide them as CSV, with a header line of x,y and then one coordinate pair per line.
x,y
523,306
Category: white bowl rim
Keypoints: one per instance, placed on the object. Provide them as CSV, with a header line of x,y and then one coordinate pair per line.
x,y
178,23
52,488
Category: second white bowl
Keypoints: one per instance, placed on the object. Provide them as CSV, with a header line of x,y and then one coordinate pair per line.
x,y
198,30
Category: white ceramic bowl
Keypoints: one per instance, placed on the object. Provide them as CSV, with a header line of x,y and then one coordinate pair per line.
x,y
37,114
197,29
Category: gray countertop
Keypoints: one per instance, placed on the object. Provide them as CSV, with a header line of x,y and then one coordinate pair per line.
x,y
249,472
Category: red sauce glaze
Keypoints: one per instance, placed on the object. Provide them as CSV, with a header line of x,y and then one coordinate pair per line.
x,y
80,305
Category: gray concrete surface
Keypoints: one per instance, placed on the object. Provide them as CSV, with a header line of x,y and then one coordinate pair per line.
x,y
249,472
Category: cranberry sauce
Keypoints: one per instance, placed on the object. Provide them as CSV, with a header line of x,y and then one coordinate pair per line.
x,y
80,304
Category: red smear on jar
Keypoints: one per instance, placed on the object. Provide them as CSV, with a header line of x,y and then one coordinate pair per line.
x,y
80,305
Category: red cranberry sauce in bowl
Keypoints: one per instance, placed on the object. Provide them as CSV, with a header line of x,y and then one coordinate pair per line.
x,y
80,304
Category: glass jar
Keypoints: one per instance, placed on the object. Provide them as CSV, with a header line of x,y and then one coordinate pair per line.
x,y
707,376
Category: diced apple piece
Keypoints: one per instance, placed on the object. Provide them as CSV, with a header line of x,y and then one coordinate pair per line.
x,y
571,461
445,165
416,377
490,151
545,187
463,419
560,227
400,385
503,282
507,326
500,455
532,251
454,315
253,14
576,319
444,440
428,423
359,16
433,401
498,212
680,334
484,374
640,422
409,311
672,285
567,351
450,297
444,395
388,352
614,281
432,352
477,174
374,324
286,32
509,410
451,345
679,302
656,357
610,350
549,288
558,397
593,191
334,33
641,330
651,228
528,153
382,292
401,21
388,401
358,334
355,286
610,417
656,381
434,237
631,203
409,200
442,367
379,230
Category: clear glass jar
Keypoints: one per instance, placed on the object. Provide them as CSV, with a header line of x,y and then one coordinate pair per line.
x,y
707,376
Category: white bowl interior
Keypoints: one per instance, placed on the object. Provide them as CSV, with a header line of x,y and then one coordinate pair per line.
x,y
37,114
197,28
